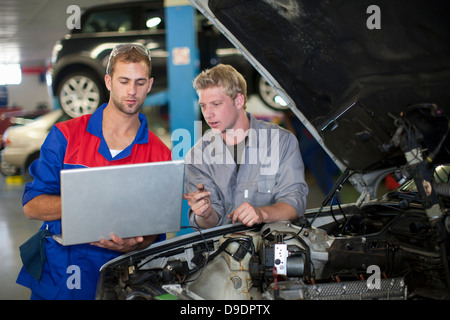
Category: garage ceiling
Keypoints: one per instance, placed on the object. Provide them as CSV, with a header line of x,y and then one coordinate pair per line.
x,y
30,28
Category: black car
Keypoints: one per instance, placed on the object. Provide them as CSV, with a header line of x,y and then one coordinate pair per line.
x,y
79,60
376,96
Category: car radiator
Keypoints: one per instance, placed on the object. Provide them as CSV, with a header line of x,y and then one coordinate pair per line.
x,y
389,289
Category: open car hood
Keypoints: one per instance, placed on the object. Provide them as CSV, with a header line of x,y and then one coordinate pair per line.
x,y
376,99
359,77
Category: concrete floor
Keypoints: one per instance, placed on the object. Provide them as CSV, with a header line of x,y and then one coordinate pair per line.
x,y
15,229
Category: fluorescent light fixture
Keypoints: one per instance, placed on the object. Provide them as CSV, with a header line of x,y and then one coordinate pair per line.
x,y
153,22
10,73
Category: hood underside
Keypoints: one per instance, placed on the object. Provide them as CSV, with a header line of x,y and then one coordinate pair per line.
x,y
349,69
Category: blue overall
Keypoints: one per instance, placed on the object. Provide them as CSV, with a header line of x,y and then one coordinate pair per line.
x,y
71,272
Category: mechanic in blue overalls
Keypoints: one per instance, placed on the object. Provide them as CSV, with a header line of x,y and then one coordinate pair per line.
x,y
115,134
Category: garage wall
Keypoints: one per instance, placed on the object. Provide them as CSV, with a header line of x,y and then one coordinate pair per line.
x,y
31,93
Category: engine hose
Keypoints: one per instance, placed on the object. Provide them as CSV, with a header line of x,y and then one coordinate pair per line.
x,y
443,189
211,257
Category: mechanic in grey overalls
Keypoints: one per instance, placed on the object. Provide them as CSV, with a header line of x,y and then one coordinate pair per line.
x,y
242,169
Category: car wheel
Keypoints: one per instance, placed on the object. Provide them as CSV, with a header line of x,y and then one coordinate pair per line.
x,y
80,93
269,96
8,169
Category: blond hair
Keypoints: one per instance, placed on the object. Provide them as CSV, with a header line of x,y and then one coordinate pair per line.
x,y
225,76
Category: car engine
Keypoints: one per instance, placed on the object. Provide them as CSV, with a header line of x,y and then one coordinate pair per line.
x,y
370,252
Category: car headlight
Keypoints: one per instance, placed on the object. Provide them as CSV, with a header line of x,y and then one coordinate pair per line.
x,y
5,138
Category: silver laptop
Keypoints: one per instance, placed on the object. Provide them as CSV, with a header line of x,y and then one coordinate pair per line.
x,y
126,200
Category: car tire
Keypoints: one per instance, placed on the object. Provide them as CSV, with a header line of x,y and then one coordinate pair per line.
x,y
8,170
268,95
80,93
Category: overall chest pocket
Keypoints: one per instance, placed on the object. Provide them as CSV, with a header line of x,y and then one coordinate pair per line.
x,y
264,193
266,184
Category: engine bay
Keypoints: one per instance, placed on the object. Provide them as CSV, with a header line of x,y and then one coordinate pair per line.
x,y
379,251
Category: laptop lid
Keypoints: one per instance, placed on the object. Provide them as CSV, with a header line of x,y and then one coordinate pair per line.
x,y
126,200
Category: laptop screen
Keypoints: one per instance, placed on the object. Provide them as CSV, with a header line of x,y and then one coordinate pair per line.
x,y
127,200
